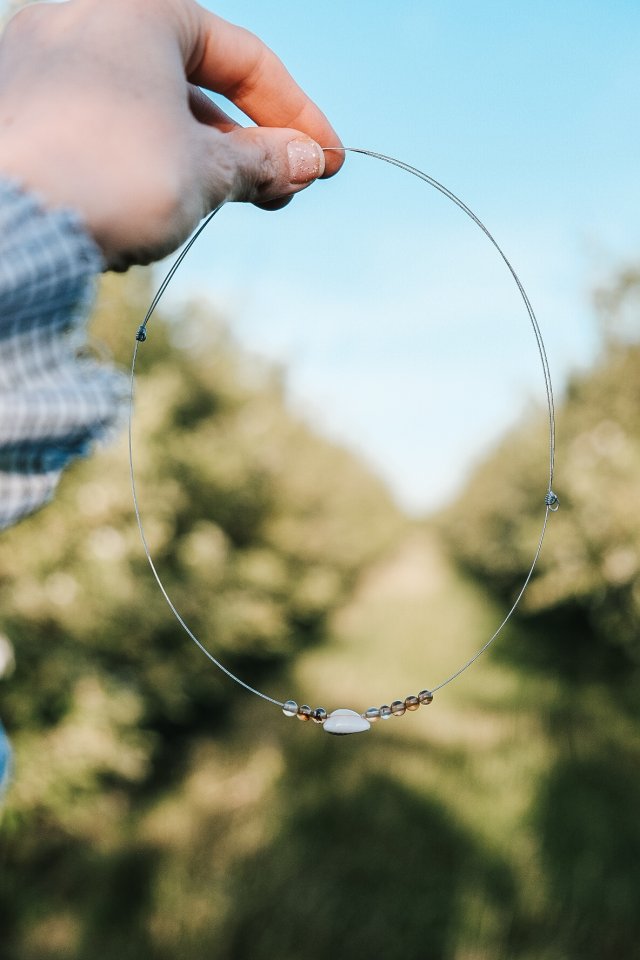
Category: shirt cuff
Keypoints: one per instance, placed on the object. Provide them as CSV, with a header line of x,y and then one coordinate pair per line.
x,y
55,401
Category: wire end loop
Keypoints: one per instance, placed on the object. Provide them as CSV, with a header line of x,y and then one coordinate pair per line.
x,y
552,501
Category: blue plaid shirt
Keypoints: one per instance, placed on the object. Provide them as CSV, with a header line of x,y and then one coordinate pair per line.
x,y
55,402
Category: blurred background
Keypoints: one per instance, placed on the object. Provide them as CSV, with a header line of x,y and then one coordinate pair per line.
x,y
341,448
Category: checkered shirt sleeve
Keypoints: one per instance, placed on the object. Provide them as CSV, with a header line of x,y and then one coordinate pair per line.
x,y
55,402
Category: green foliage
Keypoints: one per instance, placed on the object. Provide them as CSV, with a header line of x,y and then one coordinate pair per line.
x,y
575,642
588,572
258,527
159,812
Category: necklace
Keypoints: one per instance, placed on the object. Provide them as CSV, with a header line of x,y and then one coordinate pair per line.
x,y
344,721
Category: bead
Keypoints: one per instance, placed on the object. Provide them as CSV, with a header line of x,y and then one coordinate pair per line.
x,y
319,715
411,703
552,501
304,713
385,712
290,708
341,722
372,714
398,708
425,696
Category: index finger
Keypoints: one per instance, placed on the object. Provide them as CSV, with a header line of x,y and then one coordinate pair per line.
x,y
230,60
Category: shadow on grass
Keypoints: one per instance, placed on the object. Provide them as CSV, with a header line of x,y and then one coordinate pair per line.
x,y
585,813
360,866
108,897
588,822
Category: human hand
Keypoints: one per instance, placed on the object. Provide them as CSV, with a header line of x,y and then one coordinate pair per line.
x,y
100,111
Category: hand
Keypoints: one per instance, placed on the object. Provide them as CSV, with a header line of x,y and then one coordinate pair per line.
x,y
100,111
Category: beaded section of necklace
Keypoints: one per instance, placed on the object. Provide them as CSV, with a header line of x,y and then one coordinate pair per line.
x,y
343,721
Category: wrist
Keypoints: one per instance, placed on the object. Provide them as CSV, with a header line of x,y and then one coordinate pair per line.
x,y
31,162
122,209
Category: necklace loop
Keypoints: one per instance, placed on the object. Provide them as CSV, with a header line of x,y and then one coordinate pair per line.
x,y
345,721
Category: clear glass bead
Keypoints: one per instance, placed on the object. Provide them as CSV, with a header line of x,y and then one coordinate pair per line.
x,y
398,708
425,696
372,714
411,703
385,712
304,712
290,708
319,715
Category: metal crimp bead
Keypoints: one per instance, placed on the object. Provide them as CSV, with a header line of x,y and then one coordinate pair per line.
x,y
552,501
141,335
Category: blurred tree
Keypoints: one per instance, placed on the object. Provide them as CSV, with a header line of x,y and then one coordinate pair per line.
x,y
589,571
259,528
579,627
134,829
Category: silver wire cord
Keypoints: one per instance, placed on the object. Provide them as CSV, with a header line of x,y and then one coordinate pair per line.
x,y
551,501
141,336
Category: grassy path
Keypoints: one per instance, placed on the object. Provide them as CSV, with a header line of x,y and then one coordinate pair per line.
x,y
411,623
476,753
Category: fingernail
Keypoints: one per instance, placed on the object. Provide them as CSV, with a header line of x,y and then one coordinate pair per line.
x,y
306,161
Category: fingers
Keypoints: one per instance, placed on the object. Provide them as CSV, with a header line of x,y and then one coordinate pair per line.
x,y
269,165
206,111
229,60
259,165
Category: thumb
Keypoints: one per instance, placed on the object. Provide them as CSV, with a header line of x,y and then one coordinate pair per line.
x,y
262,164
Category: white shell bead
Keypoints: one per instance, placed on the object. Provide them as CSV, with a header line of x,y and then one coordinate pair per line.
x,y
341,722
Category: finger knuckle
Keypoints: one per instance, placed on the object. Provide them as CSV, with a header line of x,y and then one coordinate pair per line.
x,y
25,21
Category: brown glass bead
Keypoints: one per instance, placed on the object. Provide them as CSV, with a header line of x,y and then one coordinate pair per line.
x,y
372,714
385,712
304,712
411,703
425,696
319,715
398,708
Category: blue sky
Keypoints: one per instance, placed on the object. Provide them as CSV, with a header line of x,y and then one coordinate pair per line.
x,y
400,329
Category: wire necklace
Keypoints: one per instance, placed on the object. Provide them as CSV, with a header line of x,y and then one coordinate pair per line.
x,y
344,721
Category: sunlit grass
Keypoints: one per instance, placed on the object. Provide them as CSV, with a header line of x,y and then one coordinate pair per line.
x,y
479,749
413,621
